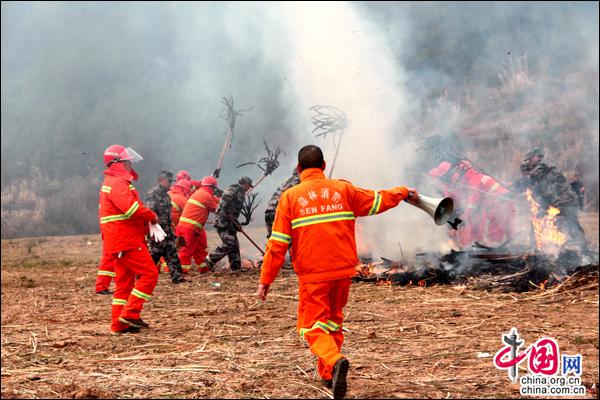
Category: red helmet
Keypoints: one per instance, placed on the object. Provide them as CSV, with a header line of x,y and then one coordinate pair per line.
x,y
440,170
209,181
184,183
116,153
183,174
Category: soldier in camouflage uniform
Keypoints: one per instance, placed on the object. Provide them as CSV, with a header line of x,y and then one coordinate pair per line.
x,y
272,206
158,200
549,187
227,225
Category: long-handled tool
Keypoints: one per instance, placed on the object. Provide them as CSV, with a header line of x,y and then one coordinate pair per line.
x,y
239,228
266,164
251,241
229,115
328,119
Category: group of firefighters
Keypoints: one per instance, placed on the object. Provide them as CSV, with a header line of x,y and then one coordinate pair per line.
x,y
173,217
487,209
310,215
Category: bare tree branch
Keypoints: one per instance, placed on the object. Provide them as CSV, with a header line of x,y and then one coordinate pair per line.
x,y
328,119
248,207
266,164
229,114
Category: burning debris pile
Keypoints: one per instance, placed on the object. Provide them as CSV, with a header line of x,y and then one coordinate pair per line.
x,y
483,268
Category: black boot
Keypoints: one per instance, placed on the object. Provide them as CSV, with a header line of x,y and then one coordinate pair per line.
x,y
340,370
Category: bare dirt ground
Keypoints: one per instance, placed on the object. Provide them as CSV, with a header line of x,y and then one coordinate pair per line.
x,y
209,341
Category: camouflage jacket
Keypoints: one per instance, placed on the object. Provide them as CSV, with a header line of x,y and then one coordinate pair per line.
x,y
159,201
292,181
550,187
524,182
230,205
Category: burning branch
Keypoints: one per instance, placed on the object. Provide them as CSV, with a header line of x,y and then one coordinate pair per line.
x,y
229,114
328,119
249,207
266,164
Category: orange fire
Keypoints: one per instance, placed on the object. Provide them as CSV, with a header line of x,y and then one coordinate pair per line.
x,y
543,284
422,283
546,232
364,270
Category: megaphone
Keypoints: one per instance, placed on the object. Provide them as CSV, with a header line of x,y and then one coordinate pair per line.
x,y
439,208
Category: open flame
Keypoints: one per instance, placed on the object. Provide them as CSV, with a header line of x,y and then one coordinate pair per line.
x,y
546,232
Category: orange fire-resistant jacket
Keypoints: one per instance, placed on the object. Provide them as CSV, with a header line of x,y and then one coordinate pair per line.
x,y
196,210
123,217
178,200
317,216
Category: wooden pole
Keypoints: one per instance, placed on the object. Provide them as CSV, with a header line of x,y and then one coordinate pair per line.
x,y
337,150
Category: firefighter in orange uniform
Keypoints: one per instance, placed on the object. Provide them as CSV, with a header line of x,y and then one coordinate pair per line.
x,y
195,185
183,174
106,269
123,223
318,217
191,225
486,213
106,273
500,210
179,193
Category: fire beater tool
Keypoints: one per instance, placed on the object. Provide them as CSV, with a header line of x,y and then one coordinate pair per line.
x,y
266,164
329,119
229,115
239,228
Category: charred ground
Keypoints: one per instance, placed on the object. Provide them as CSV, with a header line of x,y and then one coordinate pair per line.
x,y
209,341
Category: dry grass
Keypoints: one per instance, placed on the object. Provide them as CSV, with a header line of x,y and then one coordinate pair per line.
x,y
220,342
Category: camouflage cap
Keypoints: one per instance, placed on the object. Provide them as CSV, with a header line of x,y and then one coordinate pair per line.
x,y
245,180
534,152
165,174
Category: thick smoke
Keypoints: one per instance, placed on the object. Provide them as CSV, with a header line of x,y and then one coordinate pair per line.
x,y
499,77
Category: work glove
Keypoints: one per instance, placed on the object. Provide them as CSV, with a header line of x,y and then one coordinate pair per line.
x,y
157,232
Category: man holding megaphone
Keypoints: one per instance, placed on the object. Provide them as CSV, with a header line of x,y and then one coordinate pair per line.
x,y
317,216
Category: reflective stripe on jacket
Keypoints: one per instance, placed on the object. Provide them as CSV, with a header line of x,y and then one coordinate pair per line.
x,y
123,217
178,201
196,210
318,216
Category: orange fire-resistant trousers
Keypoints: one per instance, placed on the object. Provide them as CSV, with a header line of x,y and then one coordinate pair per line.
x,y
195,246
106,271
320,320
131,293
